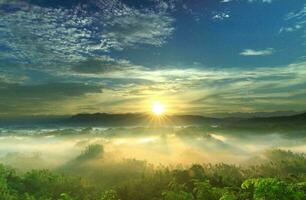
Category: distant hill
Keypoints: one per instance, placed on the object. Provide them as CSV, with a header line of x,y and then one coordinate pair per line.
x,y
131,119
139,119
247,115
108,119
143,119
292,118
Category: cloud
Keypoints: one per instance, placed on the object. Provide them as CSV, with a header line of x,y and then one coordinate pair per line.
x,y
48,91
6,78
41,35
263,52
71,43
249,1
186,90
237,85
221,16
295,22
43,99
225,1
135,28
102,65
227,90
253,90
263,1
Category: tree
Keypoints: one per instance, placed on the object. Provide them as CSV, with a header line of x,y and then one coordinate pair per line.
x,y
272,189
110,195
177,192
203,190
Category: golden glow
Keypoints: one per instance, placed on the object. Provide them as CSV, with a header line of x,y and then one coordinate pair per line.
x,y
158,108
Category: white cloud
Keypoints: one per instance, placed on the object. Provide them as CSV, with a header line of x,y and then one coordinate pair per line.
x,y
225,1
295,21
165,5
221,16
249,1
49,36
252,52
263,1
137,27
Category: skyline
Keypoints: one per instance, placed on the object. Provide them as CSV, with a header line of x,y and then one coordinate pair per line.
x,y
195,57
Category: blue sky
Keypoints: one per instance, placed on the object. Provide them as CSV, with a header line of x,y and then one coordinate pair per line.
x,y
196,56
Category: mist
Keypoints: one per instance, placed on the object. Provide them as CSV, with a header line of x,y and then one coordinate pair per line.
x,y
54,148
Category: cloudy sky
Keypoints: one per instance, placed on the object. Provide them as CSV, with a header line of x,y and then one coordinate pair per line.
x,y
196,56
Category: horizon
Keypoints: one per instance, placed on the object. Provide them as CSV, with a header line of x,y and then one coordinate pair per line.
x,y
209,115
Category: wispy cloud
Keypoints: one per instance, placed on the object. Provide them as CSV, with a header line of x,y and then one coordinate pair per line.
x,y
221,16
225,1
294,22
249,1
49,98
46,35
6,78
262,52
209,90
135,28
103,65
263,1
224,90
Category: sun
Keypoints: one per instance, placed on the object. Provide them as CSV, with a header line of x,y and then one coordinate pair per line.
x,y
158,108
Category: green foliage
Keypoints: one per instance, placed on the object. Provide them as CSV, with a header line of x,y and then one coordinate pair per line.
x,y
281,164
65,196
272,189
177,191
42,185
228,196
282,178
224,175
7,182
110,195
204,190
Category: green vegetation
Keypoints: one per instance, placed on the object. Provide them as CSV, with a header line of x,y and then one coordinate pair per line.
x,y
90,177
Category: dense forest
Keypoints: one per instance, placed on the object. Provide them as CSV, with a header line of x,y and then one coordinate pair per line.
x,y
282,177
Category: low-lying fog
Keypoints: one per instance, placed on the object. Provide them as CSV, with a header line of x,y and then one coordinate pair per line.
x,y
46,148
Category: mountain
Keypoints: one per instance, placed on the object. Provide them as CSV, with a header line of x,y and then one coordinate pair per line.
x,y
293,118
108,119
140,119
247,115
131,119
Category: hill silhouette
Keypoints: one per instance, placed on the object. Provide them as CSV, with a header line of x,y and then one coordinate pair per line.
x,y
142,119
